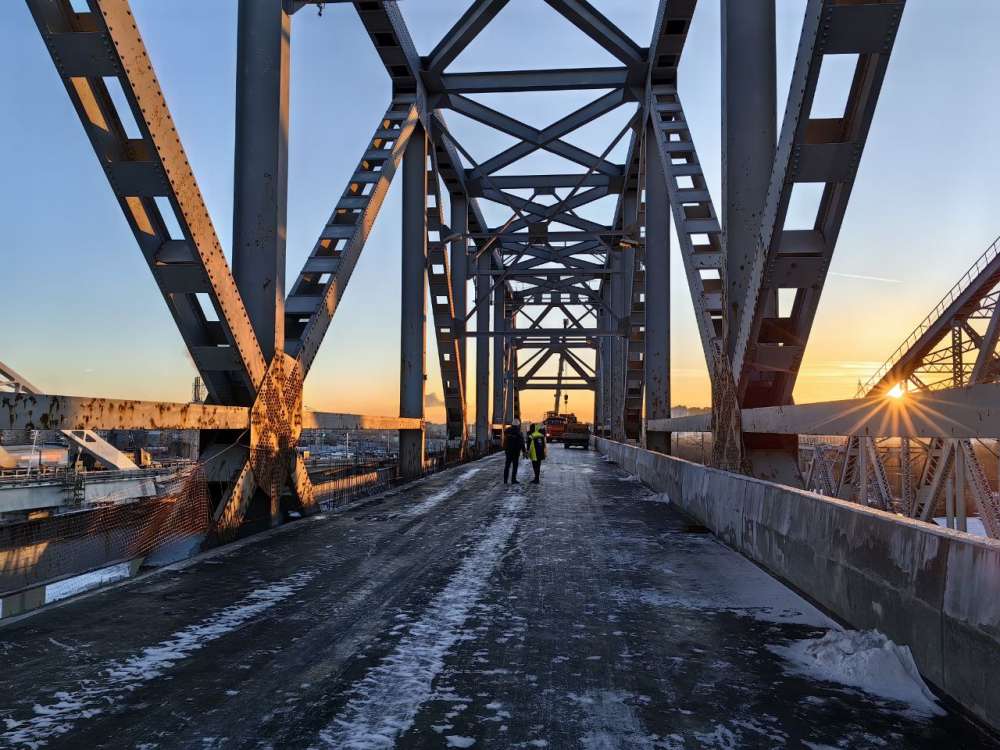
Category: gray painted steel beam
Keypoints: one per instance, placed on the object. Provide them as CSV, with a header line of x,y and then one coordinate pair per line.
x,y
657,353
412,347
769,348
459,36
153,166
321,283
969,412
572,79
499,352
482,287
749,132
260,199
592,23
460,277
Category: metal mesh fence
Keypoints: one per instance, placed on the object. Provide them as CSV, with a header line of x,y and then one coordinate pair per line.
x,y
100,534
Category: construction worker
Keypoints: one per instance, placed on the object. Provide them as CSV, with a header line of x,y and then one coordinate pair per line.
x,y
513,446
536,450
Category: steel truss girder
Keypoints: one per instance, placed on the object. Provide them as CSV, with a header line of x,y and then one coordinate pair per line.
x,y
967,412
440,281
972,297
571,79
317,291
768,350
87,48
699,234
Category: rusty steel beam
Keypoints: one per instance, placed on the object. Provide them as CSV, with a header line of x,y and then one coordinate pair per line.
x,y
24,411
28,411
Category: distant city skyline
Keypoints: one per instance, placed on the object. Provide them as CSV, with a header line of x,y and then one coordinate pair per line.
x,y
82,315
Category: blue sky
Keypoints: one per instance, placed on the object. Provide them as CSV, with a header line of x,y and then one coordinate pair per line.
x,y
82,315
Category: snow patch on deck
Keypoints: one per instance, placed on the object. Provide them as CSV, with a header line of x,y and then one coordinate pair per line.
x,y
119,678
386,701
866,660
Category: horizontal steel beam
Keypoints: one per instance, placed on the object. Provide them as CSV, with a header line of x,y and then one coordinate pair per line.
x,y
318,420
533,80
26,411
972,412
46,412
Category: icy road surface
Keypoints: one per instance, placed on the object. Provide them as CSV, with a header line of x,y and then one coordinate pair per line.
x,y
582,613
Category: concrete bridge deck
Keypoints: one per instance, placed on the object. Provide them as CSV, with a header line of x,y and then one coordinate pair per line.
x,y
456,612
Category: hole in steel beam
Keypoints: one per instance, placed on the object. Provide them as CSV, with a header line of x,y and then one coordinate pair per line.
x,y
205,302
122,107
836,74
437,269
803,206
786,302
139,215
169,217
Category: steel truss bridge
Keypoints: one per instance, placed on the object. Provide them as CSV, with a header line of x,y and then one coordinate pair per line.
x,y
544,284
569,268
755,285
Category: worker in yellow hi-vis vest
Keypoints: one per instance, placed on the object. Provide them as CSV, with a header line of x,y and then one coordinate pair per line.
x,y
536,450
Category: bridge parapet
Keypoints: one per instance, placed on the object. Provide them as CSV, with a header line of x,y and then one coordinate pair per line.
x,y
932,589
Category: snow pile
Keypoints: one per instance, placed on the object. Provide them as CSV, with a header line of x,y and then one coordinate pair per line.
x,y
387,699
438,497
866,660
119,678
85,582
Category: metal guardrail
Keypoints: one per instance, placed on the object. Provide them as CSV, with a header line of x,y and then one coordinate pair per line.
x,y
64,475
974,271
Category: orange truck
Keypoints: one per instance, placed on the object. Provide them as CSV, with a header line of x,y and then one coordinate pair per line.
x,y
555,425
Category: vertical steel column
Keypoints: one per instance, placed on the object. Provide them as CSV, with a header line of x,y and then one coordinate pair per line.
x,y
413,365
459,263
606,360
960,509
499,350
459,267
616,381
510,371
749,134
657,358
260,199
483,353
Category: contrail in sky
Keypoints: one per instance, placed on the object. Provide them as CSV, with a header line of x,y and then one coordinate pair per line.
x,y
866,278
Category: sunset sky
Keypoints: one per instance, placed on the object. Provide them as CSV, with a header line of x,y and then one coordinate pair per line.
x,y
82,315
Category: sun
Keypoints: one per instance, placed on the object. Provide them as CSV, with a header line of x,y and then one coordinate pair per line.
x,y
896,391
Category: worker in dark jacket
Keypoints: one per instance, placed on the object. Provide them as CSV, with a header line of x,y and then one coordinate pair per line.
x,y
536,450
513,446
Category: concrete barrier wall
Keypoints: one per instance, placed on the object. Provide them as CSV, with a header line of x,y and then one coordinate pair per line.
x,y
932,589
